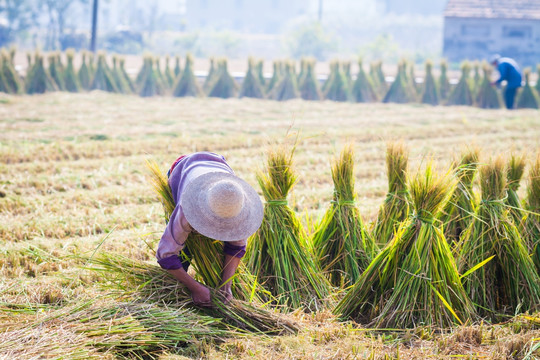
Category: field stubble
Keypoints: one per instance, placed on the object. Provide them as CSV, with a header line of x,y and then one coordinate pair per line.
x,y
72,170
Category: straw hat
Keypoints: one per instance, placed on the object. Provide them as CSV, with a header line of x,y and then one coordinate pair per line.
x,y
222,206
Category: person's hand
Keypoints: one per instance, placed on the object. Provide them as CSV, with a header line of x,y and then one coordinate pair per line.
x,y
227,294
201,296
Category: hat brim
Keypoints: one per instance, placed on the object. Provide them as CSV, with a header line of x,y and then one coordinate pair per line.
x,y
204,221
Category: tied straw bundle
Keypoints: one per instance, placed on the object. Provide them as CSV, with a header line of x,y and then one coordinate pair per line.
x,y
396,205
459,211
532,221
507,282
341,243
414,279
514,173
279,253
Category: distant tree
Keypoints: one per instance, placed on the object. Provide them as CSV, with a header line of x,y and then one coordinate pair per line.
x,y
58,11
19,15
311,39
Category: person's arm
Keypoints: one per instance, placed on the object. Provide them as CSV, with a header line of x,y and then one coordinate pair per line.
x,y
234,251
503,72
200,294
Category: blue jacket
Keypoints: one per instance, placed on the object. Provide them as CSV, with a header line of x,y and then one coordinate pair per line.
x,y
509,71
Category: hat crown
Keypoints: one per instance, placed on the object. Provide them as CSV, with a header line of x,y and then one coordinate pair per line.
x,y
225,199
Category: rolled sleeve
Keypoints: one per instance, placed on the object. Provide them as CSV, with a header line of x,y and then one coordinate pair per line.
x,y
235,248
173,241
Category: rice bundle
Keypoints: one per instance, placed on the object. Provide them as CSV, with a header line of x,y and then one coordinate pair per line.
x,y
84,73
151,84
12,80
260,73
411,80
224,86
377,76
395,208
103,79
39,80
251,87
528,97
336,88
514,173
168,74
142,72
276,76
159,74
461,95
476,81
346,66
431,94
4,87
186,84
400,91
119,79
279,253
91,329
303,63
537,86
414,279
124,75
444,83
341,243
309,85
363,89
487,96
210,77
56,74
508,282
72,81
177,68
532,221
459,211
287,87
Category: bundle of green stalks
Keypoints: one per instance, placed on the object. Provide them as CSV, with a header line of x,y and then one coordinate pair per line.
x,y
431,94
224,86
341,243
414,280
532,222
528,97
142,72
11,77
186,84
210,77
411,80
177,67
303,63
461,94
124,75
476,81
379,80
56,74
287,88
444,83
85,77
487,96
168,74
4,87
119,79
38,79
514,174
459,211
395,208
92,63
207,253
277,74
309,85
94,328
103,79
279,253
159,74
537,86
400,91
346,66
363,89
508,283
251,87
71,79
149,284
337,88
151,84
259,70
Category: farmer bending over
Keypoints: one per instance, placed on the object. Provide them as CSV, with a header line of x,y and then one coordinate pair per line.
x,y
212,201
509,71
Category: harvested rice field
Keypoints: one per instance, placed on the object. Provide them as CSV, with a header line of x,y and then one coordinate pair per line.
x,y
79,224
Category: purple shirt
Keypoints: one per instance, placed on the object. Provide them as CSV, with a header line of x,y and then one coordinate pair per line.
x,y
177,230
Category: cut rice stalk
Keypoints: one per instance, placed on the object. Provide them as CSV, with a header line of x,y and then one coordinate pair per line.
x,y
514,173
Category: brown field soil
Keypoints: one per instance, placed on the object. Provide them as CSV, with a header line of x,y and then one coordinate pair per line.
x,y
72,172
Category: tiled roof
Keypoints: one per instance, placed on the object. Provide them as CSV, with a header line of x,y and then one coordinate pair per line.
x,y
493,9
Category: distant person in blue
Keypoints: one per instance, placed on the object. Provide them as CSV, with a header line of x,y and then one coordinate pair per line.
x,y
509,71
